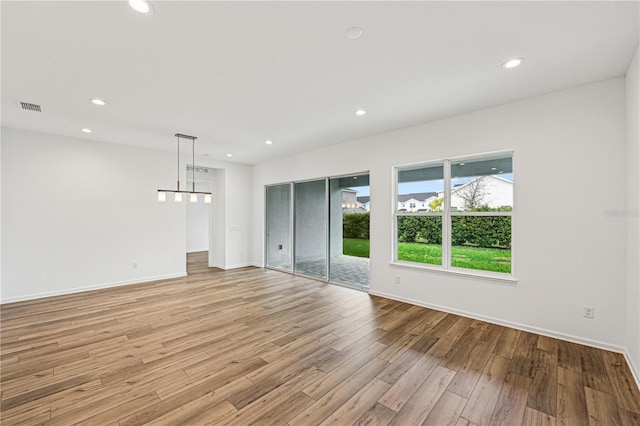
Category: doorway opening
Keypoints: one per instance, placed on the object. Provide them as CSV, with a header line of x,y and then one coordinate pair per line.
x,y
199,218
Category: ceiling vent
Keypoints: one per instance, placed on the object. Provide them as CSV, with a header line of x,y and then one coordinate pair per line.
x,y
28,106
198,169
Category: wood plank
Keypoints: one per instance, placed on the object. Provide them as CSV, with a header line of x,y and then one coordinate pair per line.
x,y
537,418
272,406
542,394
483,399
332,379
465,422
511,404
418,407
523,362
404,388
396,369
470,372
447,410
629,418
602,408
358,404
208,415
341,393
378,414
594,372
623,387
506,344
571,406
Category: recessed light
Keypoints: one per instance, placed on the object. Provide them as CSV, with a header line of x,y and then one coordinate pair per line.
x,y
99,102
512,63
361,112
85,130
493,168
268,142
229,155
354,33
461,164
142,6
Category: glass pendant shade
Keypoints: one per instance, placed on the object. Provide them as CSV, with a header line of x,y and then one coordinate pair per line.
x,y
178,197
162,196
193,198
207,198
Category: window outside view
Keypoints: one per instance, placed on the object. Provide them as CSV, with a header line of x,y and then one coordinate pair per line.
x,y
469,226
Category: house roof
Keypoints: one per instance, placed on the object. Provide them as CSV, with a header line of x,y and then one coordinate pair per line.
x,y
458,187
420,196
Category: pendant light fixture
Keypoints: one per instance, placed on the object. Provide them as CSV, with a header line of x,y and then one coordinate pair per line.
x,y
177,193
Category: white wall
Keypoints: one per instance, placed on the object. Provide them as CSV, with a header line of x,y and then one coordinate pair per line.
x,y
217,246
632,213
567,253
76,214
239,209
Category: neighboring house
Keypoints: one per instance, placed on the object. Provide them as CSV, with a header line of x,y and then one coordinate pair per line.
x,y
493,191
365,202
350,203
415,202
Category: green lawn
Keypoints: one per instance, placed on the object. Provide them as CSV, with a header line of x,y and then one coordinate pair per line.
x,y
353,247
484,259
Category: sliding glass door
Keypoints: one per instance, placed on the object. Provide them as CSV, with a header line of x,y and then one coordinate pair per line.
x,y
278,227
320,229
349,230
310,229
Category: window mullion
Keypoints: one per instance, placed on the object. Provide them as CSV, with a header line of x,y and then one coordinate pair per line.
x,y
446,217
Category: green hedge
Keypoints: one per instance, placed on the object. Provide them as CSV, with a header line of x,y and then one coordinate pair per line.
x,y
355,225
474,231
478,231
420,229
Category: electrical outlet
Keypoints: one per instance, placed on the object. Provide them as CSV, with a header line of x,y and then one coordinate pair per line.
x,y
279,246
397,279
588,311
135,265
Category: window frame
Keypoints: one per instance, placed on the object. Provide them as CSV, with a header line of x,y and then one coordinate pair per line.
x,y
447,213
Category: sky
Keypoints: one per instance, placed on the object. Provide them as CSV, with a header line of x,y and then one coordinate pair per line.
x,y
424,186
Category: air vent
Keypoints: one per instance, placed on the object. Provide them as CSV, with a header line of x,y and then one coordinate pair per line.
x,y
198,169
28,106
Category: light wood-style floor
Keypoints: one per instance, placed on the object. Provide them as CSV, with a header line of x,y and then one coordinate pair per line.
x,y
253,346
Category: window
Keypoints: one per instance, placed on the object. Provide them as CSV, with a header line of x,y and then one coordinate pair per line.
x,y
466,223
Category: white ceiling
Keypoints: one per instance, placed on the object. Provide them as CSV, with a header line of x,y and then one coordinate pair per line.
x,y
237,73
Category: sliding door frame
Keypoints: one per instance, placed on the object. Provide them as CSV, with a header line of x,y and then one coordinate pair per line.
x,y
292,228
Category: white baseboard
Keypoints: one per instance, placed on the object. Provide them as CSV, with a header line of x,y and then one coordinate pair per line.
x,y
227,267
549,333
91,287
635,370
